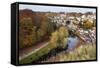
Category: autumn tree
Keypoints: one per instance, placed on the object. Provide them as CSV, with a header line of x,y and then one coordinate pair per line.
x,y
26,32
59,38
88,24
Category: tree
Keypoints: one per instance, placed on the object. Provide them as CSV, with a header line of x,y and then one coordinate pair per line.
x,y
59,38
87,24
27,34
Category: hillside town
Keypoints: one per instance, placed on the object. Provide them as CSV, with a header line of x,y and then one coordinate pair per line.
x,y
76,23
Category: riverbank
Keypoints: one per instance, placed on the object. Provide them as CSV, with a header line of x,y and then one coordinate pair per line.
x,y
85,52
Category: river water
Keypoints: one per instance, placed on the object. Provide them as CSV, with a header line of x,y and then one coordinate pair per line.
x,y
72,42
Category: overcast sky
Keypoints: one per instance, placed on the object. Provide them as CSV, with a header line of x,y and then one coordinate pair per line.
x,y
55,8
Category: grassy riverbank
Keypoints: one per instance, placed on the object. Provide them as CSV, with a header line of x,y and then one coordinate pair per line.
x,y
86,52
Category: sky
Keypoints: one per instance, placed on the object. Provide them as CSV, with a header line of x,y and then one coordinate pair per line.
x,y
55,8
